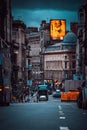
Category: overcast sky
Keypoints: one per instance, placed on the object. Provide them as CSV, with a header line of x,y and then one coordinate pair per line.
x,y
32,12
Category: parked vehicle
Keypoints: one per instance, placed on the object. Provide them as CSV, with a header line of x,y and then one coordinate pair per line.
x,y
57,94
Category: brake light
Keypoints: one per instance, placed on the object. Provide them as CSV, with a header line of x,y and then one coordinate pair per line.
x,y
0,89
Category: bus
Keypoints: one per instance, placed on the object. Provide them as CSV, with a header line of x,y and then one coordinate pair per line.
x,y
42,91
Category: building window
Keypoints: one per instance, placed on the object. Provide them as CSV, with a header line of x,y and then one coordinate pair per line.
x,y
73,65
65,64
41,34
65,57
66,76
73,56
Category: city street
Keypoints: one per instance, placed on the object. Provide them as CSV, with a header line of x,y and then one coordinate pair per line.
x,y
50,115
43,65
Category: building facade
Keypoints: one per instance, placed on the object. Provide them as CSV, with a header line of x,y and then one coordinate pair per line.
x,y
44,42
33,37
5,55
74,27
18,52
82,36
60,59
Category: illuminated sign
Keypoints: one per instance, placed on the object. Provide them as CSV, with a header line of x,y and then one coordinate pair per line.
x,y
57,29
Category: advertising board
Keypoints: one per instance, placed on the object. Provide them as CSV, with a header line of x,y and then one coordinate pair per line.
x,y
57,29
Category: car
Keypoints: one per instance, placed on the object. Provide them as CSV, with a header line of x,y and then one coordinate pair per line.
x,y
49,91
42,98
57,94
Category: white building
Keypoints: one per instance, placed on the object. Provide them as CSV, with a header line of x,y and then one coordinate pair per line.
x,y
60,59
35,48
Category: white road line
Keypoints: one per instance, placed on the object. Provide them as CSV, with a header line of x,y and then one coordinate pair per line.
x,y
61,113
59,107
64,128
84,113
62,117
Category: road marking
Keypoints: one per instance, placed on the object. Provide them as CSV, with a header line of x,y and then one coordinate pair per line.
x,y
61,113
84,113
59,107
62,117
64,128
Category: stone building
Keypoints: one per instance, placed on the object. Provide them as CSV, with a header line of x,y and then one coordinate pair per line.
x,y
5,20
18,52
82,40
5,55
60,59
44,42
33,37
